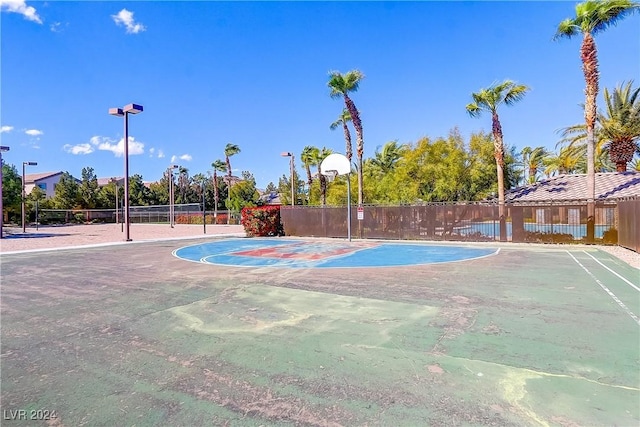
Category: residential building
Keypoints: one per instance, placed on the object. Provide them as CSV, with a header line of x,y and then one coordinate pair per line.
x,y
46,181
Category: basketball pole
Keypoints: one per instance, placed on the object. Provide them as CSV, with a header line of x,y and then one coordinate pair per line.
x,y
349,206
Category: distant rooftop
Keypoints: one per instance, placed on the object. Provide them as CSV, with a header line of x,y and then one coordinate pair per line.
x,y
105,181
30,178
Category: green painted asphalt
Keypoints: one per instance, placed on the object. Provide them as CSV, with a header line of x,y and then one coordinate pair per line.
x,y
133,336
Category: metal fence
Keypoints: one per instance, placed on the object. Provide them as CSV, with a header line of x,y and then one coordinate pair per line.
x,y
137,214
629,224
543,222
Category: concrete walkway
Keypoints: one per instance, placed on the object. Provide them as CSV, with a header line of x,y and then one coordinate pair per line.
x,y
52,237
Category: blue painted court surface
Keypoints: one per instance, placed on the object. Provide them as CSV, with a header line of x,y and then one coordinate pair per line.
x,y
275,252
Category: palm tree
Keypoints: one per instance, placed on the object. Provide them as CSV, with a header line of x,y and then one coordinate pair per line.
x,y
199,182
617,131
309,157
341,85
508,93
218,166
320,155
532,159
229,150
183,183
344,118
574,138
386,160
566,162
592,17
620,127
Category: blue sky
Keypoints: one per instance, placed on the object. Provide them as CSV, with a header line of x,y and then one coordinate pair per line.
x,y
255,74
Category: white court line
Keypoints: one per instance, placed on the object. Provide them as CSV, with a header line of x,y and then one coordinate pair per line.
x,y
611,294
596,260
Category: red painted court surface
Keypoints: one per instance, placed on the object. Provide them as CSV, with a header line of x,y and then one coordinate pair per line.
x,y
167,334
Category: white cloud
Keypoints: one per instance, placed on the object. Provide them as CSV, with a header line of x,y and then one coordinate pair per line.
x,y
185,157
20,6
57,27
5,129
125,17
107,144
78,148
34,132
160,154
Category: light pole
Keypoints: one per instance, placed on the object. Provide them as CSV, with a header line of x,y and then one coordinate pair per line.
x,y
204,209
171,191
124,112
24,197
171,198
3,148
288,154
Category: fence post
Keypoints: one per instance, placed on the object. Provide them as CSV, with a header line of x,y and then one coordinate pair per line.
x,y
517,224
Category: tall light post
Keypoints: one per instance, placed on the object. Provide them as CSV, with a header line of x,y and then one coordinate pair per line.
x,y
3,148
24,196
293,196
124,112
171,198
204,209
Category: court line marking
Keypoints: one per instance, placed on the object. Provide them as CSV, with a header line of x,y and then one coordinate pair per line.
x,y
611,294
623,278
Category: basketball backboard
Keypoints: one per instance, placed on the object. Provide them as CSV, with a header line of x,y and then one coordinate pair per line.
x,y
335,163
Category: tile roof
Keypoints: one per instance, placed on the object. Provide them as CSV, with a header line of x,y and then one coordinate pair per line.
x,y
609,185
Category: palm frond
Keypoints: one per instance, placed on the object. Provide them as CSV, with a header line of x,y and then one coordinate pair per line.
x,y
566,28
474,110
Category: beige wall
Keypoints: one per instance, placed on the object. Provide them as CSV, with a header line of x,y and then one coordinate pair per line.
x,y
50,183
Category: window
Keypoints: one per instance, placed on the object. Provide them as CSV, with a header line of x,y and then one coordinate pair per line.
x,y
43,186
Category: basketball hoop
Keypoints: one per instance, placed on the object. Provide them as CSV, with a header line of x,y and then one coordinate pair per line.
x,y
332,166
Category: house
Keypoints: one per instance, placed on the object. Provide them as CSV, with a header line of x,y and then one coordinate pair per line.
x,y
270,198
610,186
46,181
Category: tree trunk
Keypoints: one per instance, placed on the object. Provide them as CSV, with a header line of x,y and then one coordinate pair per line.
x,y
589,58
347,138
309,178
216,195
357,124
498,152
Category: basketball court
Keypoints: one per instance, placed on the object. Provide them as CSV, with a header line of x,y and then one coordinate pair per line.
x,y
233,331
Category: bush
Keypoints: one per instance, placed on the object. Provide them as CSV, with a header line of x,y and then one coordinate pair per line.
x,y
539,237
196,218
262,221
610,236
